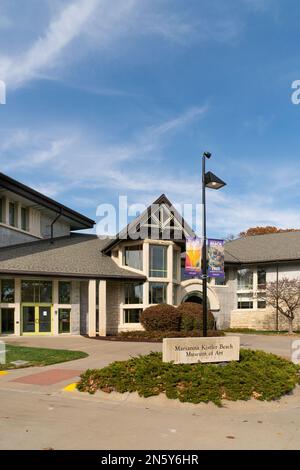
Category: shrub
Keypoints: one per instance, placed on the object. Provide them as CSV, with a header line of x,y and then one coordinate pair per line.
x,y
258,375
158,336
192,317
161,317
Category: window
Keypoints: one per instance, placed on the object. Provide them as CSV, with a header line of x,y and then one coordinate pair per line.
x,y
245,301
245,279
261,279
134,293
132,315
64,292
64,315
158,261
24,218
157,293
176,263
7,326
37,292
12,214
221,281
133,257
8,291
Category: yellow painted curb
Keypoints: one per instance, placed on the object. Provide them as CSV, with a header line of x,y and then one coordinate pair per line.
x,y
70,387
3,372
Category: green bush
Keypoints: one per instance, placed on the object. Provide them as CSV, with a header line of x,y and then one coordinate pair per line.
x,y
258,375
162,317
192,317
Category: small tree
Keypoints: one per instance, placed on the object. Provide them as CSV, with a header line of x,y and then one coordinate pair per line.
x,y
284,295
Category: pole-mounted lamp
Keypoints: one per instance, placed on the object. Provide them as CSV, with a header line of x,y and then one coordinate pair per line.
x,y
209,180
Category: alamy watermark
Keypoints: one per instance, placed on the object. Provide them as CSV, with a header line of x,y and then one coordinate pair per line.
x,y
295,353
2,92
137,221
296,94
2,352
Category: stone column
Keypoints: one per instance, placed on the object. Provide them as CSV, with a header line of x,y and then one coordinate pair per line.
x,y
102,308
92,308
18,320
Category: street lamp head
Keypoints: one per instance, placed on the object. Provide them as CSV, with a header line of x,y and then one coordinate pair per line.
x,y
213,182
207,155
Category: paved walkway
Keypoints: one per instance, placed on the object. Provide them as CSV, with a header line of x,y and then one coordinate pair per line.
x,y
37,416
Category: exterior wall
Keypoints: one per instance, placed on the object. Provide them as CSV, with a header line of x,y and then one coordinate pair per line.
x,y
60,228
83,307
114,301
10,236
75,306
227,299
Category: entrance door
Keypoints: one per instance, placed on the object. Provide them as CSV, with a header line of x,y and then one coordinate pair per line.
x,y
37,319
44,325
7,321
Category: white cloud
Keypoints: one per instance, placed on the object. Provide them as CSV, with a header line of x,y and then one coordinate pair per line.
x,y
46,49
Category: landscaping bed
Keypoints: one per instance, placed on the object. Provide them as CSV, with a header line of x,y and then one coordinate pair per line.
x,y
251,331
258,375
157,336
38,356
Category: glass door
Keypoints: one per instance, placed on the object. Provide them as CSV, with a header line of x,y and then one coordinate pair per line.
x,y
64,320
37,319
7,321
44,317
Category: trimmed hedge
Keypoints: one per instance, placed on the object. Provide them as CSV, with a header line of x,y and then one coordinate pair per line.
x,y
162,317
158,336
192,317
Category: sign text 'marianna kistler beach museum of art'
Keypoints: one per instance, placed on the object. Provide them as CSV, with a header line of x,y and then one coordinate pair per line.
x,y
57,281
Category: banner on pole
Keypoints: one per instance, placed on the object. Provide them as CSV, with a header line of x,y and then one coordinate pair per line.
x,y
193,256
216,258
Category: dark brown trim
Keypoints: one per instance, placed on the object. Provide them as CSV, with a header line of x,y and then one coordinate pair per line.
x,y
72,275
25,191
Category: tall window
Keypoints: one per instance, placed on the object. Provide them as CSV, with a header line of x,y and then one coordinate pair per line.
x,y
37,292
12,214
8,291
245,279
64,292
24,218
158,261
133,293
251,288
157,293
176,263
133,257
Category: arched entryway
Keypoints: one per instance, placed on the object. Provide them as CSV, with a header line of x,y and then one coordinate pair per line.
x,y
194,297
192,289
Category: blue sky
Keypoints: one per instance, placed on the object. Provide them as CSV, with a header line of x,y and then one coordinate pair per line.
x,y
107,98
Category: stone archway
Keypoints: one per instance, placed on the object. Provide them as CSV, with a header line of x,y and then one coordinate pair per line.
x,y
195,297
193,287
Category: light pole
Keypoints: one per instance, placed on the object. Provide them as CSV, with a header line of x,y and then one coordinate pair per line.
x,y
209,180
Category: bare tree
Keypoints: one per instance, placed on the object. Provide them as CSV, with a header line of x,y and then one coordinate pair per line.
x,y
284,295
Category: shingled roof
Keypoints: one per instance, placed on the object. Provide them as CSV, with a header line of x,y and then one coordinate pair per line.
x,y
272,247
77,255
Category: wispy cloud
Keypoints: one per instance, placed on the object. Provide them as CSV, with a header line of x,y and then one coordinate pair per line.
x,y
60,33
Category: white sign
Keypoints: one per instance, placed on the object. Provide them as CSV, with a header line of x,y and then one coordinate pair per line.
x,y
193,350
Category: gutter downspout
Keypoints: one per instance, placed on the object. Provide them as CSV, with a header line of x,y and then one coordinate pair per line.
x,y
52,226
277,311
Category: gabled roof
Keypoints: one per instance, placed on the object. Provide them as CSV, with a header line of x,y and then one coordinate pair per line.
x,y
78,221
135,226
284,246
74,256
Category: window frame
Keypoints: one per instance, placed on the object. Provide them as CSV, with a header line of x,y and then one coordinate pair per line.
x,y
164,285
164,271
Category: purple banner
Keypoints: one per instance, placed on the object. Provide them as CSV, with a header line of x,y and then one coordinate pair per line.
x,y
215,251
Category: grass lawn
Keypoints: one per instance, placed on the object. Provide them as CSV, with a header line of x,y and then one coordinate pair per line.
x,y
257,375
251,331
38,356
